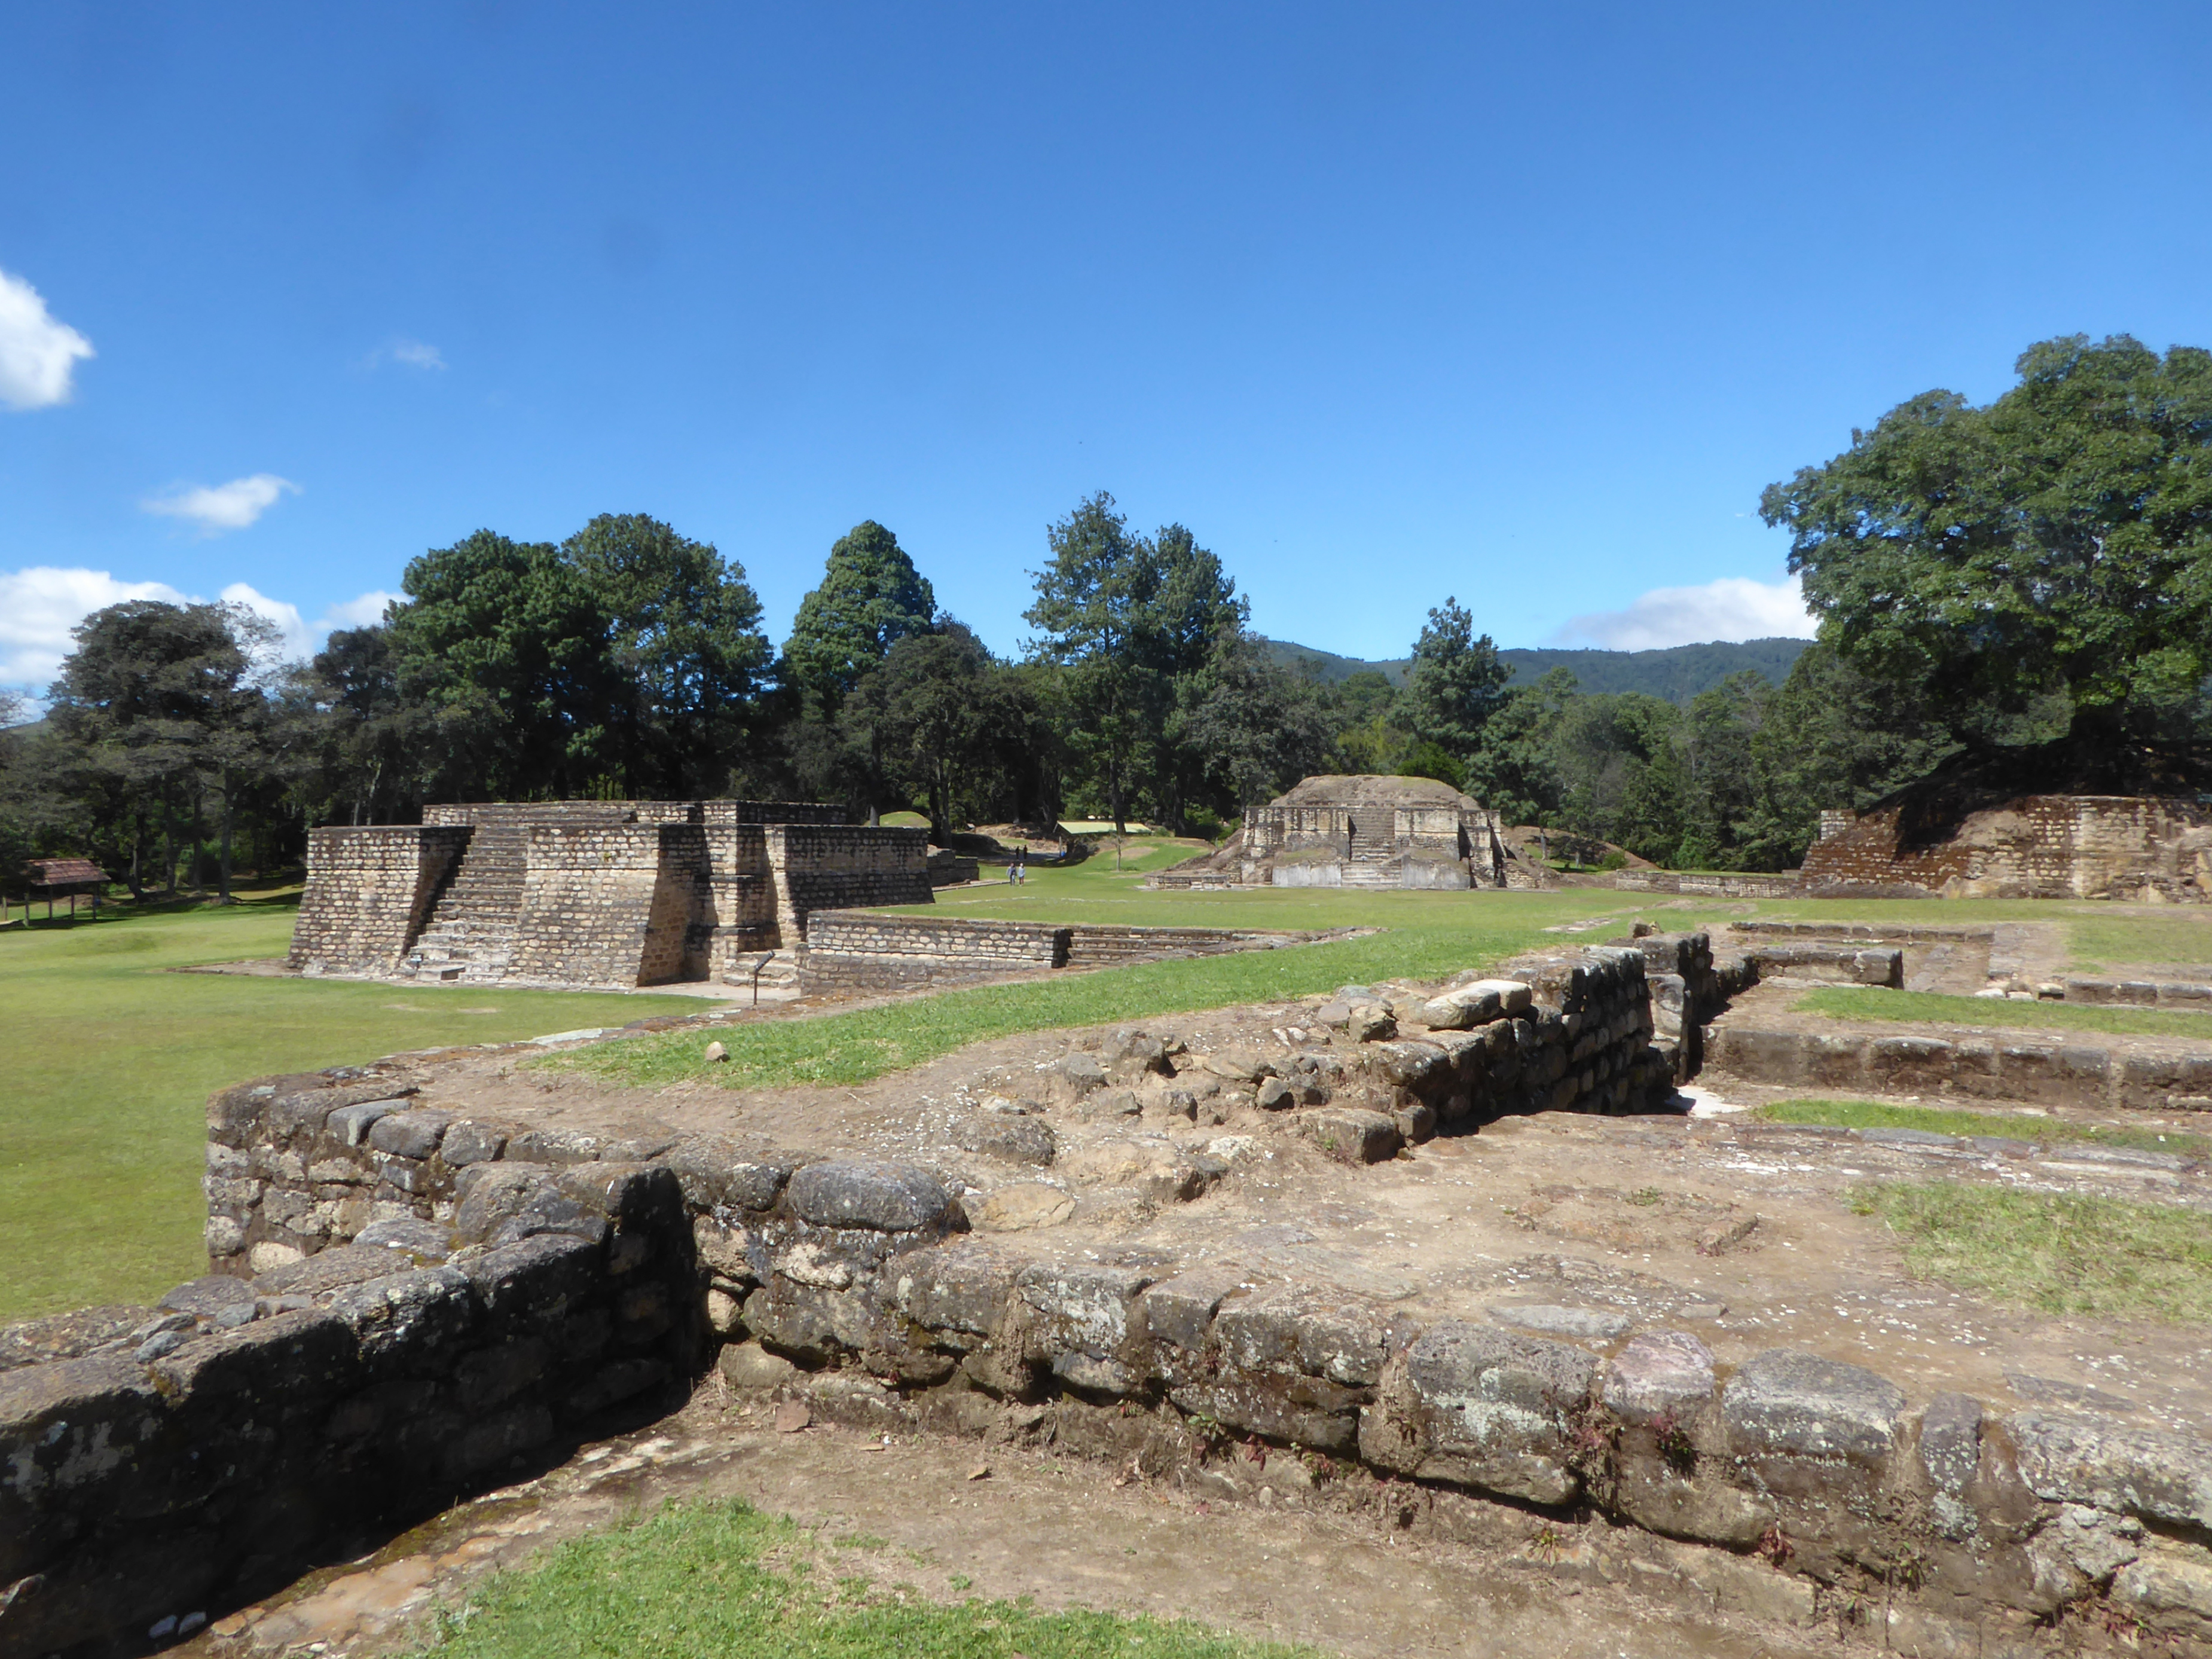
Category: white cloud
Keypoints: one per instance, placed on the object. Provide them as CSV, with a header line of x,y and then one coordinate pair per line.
x,y
232,506
1732,608
408,354
361,612
39,605
38,351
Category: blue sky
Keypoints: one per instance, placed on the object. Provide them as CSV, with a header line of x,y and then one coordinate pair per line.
x,y
1520,304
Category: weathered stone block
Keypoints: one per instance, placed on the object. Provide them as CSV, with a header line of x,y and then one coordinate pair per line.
x,y
892,1198
2161,1476
1787,1401
1480,1406
1665,1374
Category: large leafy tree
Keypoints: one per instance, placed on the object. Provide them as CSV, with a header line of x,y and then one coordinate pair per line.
x,y
683,640
1456,682
2056,539
159,713
509,649
1094,612
870,597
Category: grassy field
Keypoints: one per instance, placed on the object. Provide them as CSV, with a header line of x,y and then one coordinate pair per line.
x,y
1429,935
722,1581
1927,1007
109,1059
1884,1114
2101,1257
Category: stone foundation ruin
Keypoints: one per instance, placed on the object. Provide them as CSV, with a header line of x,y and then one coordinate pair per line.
x,y
592,892
1362,831
1454,1242
2149,848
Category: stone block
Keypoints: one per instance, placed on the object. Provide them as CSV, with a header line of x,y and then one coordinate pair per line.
x,y
350,1125
1951,1442
1351,1134
533,1282
892,1198
1476,1406
1337,1338
468,1142
712,1172
1799,1404
1180,1310
1664,1374
2164,1477
409,1134
409,1322
278,1364
1003,1135
1079,1306
957,1288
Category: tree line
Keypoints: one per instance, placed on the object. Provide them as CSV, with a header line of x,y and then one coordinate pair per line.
x,y
2033,576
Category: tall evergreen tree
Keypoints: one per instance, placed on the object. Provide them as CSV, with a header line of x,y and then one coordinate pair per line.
x,y
870,598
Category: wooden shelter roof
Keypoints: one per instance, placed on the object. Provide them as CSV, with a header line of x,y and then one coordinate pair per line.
x,y
64,873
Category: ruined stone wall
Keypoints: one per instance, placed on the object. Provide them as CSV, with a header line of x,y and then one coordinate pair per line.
x,y
1718,884
1095,944
2100,847
859,949
613,904
494,1285
199,1453
844,866
369,893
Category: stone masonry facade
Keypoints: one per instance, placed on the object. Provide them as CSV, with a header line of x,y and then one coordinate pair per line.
x,y
590,892
2147,849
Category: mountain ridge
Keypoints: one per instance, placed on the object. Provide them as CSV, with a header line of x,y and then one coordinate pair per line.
x,y
1676,673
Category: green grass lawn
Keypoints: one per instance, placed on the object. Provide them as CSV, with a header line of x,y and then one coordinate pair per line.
x,y
1927,1007
719,1580
2018,1126
1429,935
2102,1257
109,1060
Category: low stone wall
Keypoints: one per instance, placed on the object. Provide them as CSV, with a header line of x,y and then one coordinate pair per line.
x,y
1889,932
1836,964
1785,885
2079,1072
369,893
159,1464
861,949
1091,944
2142,994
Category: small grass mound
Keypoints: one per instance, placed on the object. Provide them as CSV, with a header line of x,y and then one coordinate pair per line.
x,y
1931,1008
1880,1115
719,1580
2056,1253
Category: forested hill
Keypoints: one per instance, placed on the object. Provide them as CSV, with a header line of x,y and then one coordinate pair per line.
x,y
1677,673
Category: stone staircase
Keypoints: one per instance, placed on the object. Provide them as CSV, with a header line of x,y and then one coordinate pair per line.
x,y
470,934
1372,860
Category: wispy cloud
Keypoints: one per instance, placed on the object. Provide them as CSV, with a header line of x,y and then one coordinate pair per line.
x,y
408,354
41,605
1732,608
215,509
39,352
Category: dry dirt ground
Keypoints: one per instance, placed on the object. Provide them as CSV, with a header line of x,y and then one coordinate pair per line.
x,y
1380,1570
